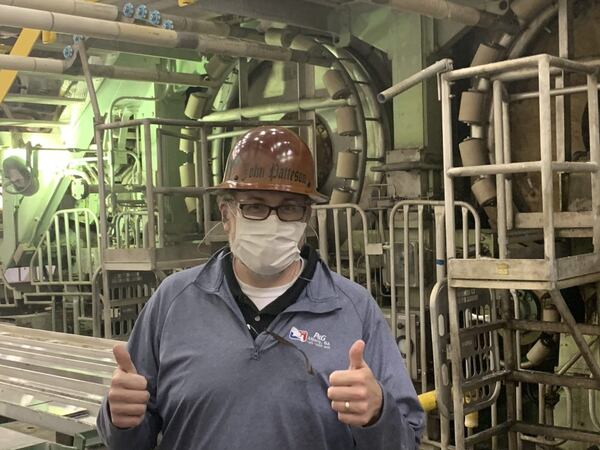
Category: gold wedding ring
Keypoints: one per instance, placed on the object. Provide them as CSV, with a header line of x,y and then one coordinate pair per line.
x,y
347,406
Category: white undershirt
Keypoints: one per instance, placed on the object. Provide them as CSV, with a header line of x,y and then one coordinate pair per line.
x,y
261,297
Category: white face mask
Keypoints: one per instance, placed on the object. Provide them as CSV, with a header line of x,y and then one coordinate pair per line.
x,y
266,247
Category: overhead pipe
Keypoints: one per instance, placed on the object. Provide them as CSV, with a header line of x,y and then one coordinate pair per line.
x,y
443,65
42,99
150,74
73,7
60,67
112,12
29,123
138,34
31,64
444,9
308,104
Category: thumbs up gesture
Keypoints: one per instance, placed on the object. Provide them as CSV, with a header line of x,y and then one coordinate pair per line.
x,y
127,396
355,393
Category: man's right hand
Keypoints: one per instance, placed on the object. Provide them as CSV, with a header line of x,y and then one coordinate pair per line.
x,y
128,394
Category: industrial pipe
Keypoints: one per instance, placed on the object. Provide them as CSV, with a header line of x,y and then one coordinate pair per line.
x,y
59,67
111,12
308,104
444,9
30,64
138,34
525,10
29,123
74,7
443,65
149,74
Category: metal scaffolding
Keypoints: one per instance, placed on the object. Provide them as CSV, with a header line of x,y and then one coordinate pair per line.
x,y
550,273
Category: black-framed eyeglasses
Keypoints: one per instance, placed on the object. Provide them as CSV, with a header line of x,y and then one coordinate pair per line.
x,y
260,211
283,341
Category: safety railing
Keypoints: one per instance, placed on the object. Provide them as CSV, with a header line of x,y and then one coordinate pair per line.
x,y
68,251
345,262
129,292
9,295
131,230
479,356
414,276
440,261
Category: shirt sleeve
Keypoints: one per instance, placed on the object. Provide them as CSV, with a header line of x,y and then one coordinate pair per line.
x,y
401,421
143,346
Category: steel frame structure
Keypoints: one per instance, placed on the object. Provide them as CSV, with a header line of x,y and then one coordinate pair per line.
x,y
503,273
153,256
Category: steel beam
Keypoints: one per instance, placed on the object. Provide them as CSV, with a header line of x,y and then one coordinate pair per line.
x,y
582,344
552,327
41,99
557,432
22,47
551,379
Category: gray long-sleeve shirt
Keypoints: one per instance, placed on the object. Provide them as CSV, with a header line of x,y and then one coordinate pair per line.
x,y
213,387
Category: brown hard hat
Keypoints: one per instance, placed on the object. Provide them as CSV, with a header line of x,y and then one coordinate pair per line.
x,y
271,158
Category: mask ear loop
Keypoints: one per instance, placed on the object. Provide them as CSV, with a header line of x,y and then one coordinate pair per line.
x,y
208,234
313,230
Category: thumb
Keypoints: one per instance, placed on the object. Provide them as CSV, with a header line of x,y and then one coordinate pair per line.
x,y
123,358
355,355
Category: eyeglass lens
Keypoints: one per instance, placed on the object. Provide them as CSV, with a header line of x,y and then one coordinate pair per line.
x,y
260,211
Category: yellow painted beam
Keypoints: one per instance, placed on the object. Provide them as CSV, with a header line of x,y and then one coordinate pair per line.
x,y
48,37
22,47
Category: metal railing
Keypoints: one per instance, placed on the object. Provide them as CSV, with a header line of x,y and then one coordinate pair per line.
x,y
132,231
440,260
64,266
9,294
68,251
354,265
418,357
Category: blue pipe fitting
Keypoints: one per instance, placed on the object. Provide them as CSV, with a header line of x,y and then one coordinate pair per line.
x,y
68,52
128,10
155,17
141,12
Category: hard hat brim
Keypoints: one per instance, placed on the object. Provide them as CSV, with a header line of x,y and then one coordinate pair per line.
x,y
314,196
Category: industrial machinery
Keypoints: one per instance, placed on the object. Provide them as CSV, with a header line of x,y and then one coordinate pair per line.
x,y
458,141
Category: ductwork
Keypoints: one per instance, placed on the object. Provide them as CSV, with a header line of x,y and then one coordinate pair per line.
x,y
56,66
444,9
138,34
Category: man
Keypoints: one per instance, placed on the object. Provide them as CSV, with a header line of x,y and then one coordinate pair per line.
x,y
262,347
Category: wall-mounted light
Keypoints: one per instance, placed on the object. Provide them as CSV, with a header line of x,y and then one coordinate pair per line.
x,y
18,177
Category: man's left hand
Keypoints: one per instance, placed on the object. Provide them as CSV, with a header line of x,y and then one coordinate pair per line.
x,y
355,393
